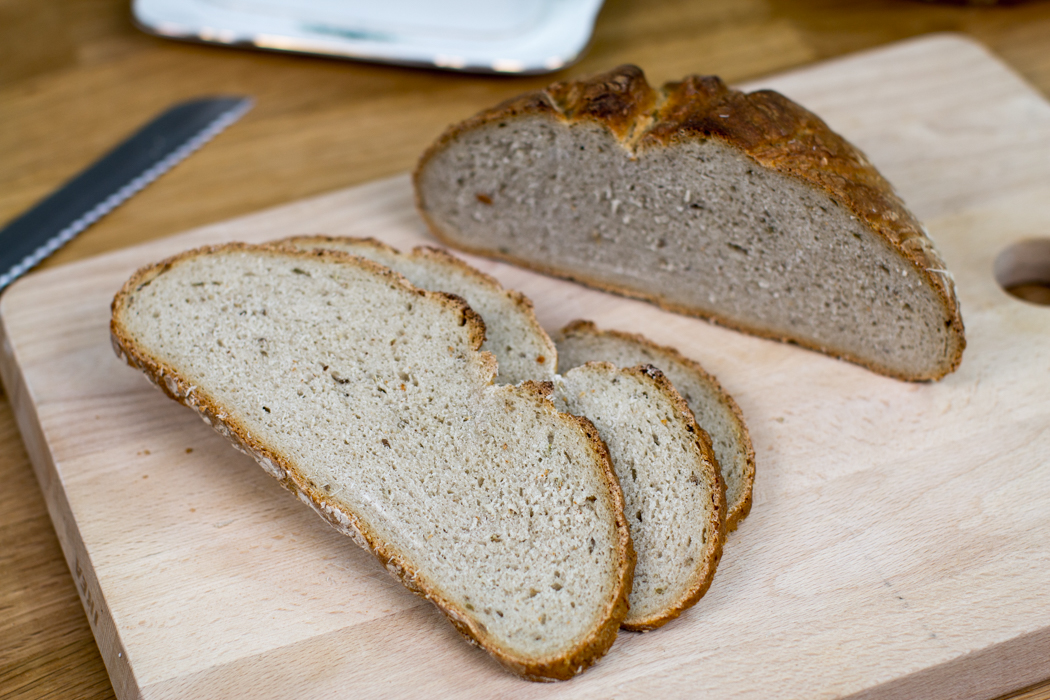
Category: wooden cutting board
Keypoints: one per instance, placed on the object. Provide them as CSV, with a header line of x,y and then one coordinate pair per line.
x,y
899,544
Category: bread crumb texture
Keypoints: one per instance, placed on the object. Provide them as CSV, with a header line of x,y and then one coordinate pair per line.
x,y
679,540
369,398
522,348
674,497
714,409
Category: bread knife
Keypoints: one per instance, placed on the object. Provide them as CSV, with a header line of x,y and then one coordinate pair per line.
x,y
142,158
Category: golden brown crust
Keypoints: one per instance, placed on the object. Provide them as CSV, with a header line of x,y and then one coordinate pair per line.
x,y
621,100
738,511
704,572
771,129
523,303
168,379
786,137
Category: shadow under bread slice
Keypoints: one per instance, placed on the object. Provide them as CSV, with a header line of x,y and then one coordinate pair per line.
x,y
369,399
715,410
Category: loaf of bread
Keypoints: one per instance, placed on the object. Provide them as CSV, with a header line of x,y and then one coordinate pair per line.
x,y
715,410
671,480
522,348
745,209
674,497
369,399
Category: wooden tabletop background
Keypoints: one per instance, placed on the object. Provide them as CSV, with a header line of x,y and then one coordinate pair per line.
x,y
76,77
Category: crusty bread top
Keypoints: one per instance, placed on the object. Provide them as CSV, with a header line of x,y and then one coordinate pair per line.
x,y
768,127
368,398
621,100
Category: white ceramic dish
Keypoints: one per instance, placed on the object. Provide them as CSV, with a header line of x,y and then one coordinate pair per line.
x,y
485,36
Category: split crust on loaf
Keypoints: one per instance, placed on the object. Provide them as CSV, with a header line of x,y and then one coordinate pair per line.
x,y
581,341
583,650
776,136
522,348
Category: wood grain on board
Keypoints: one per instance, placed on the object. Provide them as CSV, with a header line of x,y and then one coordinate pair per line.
x,y
899,545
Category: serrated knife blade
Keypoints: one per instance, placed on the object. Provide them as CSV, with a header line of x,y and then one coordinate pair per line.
x,y
139,160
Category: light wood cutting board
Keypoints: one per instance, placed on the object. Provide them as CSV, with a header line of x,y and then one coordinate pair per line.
x,y
899,544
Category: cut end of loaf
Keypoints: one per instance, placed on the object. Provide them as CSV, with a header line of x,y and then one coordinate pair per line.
x,y
745,209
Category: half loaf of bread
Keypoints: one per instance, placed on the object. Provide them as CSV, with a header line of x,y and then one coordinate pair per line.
x,y
742,208
369,399
522,348
674,497
715,410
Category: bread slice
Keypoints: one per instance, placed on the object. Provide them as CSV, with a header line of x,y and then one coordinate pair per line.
x,y
715,410
741,208
369,399
522,348
683,536
673,492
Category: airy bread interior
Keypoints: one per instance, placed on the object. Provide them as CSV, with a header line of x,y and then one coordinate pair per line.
x,y
674,497
522,348
715,410
668,583
369,398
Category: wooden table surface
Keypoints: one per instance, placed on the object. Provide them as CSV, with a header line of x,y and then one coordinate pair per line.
x,y
76,77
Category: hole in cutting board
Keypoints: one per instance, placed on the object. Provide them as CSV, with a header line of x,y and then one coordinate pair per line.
x,y
1023,270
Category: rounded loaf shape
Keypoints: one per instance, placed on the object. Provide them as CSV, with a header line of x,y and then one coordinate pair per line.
x,y
742,208
369,399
